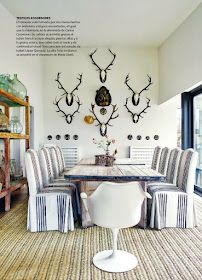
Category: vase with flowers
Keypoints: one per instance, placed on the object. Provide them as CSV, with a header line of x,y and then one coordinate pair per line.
x,y
106,159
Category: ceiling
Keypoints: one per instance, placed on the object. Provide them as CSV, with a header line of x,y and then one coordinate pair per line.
x,y
139,23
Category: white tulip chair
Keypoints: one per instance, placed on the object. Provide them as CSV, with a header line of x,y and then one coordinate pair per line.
x,y
115,206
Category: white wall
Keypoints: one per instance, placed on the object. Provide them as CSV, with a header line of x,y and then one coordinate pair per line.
x,y
159,120
39,75
29,70
180,57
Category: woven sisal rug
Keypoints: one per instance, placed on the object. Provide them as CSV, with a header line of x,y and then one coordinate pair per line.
x,y
165,254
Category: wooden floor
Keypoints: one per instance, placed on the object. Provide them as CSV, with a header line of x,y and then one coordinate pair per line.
x,y
17,196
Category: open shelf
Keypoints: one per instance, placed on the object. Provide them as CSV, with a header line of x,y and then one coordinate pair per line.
x,y
10,100
14,185
9,135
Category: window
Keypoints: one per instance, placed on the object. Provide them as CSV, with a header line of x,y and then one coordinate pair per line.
x,y
192,128
197,135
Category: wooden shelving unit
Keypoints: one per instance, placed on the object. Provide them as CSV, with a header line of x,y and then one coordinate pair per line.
x,y
9,100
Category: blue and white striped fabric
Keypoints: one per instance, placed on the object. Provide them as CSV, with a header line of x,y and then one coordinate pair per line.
x,y
156,157
48,208
50,211
171,173
173,206
163,161
54,183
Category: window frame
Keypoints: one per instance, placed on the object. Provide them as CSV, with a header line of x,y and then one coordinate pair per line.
x,y
187,124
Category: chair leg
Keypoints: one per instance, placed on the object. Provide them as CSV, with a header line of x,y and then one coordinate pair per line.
x,y
115,232
115,260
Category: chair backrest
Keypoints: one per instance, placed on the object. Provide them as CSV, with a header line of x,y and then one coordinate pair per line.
x,y
187,170
156,157
142,154
33,171
67,157
116,205
71,156
46,166
56,154
163,161
55,161
173,163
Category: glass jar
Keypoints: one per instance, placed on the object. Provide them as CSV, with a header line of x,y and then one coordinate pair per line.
x,y
4,122
18,88
16,126
6,82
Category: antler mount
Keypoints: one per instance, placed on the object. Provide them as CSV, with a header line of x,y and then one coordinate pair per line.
x,y
102,72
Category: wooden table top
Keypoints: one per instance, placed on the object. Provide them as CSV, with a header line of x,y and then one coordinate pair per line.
x,y
121,161
87,171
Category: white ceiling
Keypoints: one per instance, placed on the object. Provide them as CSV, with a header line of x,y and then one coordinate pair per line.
x,y
140,23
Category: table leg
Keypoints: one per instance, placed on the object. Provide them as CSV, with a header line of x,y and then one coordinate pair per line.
x,y
88,187
143,220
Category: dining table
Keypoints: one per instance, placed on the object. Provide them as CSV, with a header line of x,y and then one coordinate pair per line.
x,y
88,176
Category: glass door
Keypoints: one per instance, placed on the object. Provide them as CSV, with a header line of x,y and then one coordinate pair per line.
x,y
197,136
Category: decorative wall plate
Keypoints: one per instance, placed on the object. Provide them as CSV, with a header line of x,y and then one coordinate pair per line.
x,y
75,137
103,111
156,137
67,136
49,137
139,137
130,137
58,137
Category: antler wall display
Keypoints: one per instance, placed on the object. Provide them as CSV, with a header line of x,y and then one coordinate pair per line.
x,y
136,95
67,98
135,100
103,125
103,72
136,116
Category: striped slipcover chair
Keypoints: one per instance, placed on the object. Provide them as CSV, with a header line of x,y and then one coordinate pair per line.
x,y
57,159
47,210
49,177
50,181
173,206
156,157
171,172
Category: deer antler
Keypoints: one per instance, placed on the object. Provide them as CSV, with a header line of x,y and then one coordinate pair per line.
x,y
77,86
136,95
103,72
102,125
77,110
126,82
95,117
136,116
57,104
69,96
91,56
114,109
68,117
60,86
111,63
146,88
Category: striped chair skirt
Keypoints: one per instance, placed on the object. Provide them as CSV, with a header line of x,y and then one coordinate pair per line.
x,y
50,211
172,208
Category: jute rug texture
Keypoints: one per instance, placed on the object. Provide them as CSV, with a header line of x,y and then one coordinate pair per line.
x,y
162,255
